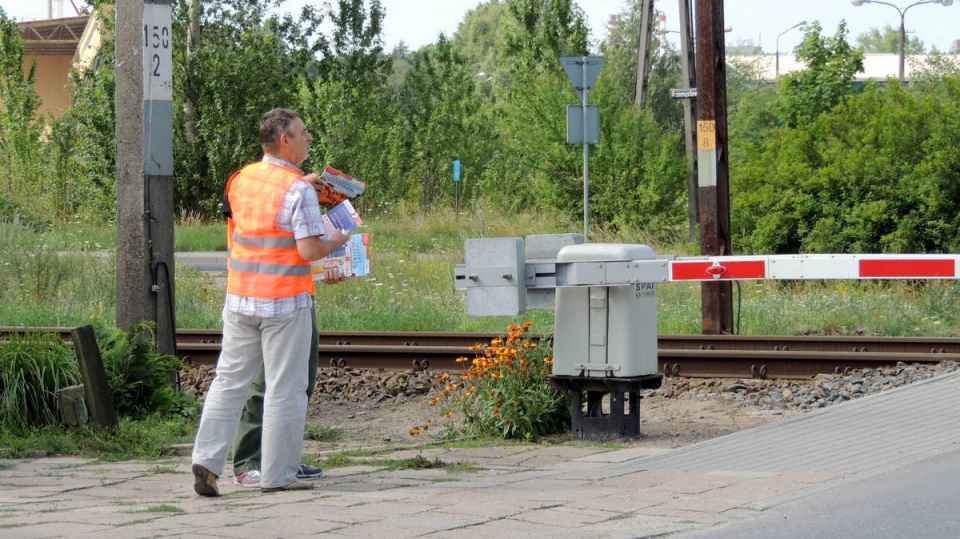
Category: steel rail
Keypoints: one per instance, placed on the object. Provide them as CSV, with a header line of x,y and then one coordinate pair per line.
x,y
695,356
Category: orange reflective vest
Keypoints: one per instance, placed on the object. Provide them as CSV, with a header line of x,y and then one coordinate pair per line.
x,y
263,260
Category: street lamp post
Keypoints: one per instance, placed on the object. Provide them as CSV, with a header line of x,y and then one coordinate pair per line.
x,y
903,15
776,76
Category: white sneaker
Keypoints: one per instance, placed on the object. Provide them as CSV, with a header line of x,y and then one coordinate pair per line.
x,y
249,479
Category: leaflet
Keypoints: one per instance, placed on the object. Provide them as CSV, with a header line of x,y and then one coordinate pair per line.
x,y
343,216
353,258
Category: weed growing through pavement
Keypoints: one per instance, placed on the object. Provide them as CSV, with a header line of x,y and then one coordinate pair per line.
x,y
323,433
504,393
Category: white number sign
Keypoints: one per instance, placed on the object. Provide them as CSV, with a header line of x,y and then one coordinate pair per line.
x,y
157,52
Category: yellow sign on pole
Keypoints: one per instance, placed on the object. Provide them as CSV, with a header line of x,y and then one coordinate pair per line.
x,y
707,135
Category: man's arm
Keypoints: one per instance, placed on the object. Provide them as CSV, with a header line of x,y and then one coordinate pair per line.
x,y
317,247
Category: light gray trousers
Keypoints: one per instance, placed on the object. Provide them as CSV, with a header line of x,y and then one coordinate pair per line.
x,y
282,346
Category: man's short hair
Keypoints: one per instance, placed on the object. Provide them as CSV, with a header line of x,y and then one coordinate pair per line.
x,y
275,123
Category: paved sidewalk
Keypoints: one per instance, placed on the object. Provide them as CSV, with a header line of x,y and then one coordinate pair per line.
x,y
504,492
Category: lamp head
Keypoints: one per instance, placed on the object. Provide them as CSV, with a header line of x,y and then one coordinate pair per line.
x,y
860,2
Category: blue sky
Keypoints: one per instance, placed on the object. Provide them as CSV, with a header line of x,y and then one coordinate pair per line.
x,y
418,22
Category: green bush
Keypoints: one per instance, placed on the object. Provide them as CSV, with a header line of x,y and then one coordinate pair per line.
x,y
142,381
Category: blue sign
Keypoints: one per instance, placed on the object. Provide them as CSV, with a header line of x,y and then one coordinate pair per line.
x,y
456,170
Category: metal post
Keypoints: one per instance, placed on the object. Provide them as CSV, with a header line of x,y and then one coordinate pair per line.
x,y
903,42
776,76
903,14
586,159
712,176
144,138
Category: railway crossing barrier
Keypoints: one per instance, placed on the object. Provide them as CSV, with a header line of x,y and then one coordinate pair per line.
x,y
604,298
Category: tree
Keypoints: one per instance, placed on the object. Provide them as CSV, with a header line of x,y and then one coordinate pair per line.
x,y
349,106
87,132
620,70
440,111
20,149
534,165
875,174
536,33
888,41
831,64
477,38
243,63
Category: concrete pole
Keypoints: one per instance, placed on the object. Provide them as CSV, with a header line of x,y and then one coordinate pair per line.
x,y
689,113
145,278
643,53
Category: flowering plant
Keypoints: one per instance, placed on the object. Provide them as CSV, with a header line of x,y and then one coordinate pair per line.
x,y
505,391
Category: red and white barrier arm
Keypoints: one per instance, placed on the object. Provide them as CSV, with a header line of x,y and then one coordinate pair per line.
x,y
790,267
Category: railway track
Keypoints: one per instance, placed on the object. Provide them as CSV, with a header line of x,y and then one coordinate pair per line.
x,y
694,356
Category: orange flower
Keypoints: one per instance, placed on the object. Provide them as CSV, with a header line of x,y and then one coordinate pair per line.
x,y
497,341
548,360
450,387
513,328
497,375
415,431
496,411
445,377
526,325
434,400
471,390
462,359
476,347
447,414
529,345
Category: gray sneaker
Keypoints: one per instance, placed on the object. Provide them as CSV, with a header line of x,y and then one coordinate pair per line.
x,y
249,479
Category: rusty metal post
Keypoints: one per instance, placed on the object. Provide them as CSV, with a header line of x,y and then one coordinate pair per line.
x,y
713,190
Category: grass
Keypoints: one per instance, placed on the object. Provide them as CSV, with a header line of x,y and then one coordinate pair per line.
x,y
132,440
323,433
411,287
165,508
363,458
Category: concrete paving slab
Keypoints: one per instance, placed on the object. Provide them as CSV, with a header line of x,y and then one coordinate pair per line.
x,y
527,491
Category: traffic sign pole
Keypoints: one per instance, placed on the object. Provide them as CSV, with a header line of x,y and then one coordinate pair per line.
x,y
582,72
586,160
